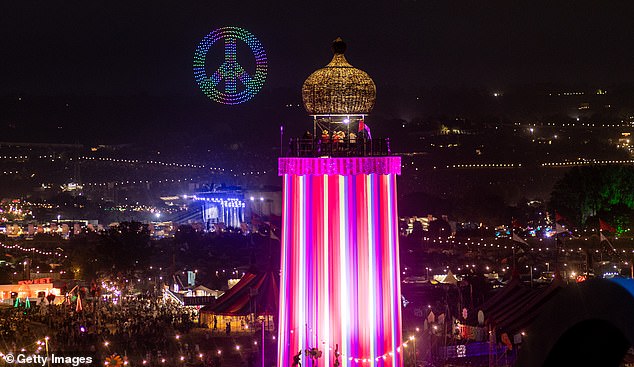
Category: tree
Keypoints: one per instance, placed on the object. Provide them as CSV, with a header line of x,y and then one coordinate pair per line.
x,y
585,192
124,247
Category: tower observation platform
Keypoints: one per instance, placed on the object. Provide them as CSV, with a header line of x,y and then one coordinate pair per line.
x,y
338,97
339,283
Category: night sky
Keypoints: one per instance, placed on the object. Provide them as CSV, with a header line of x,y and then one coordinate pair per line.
x,y
115,48
140,46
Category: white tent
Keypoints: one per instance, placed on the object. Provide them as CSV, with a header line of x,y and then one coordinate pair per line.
x,y
450,278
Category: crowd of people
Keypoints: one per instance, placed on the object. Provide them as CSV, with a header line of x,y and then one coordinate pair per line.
x,y
147,329
16,330
133,326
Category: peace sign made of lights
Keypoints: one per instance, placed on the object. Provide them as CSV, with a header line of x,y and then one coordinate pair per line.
x,y
230,71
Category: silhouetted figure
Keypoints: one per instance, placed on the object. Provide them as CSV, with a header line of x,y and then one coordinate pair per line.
x,y
297,359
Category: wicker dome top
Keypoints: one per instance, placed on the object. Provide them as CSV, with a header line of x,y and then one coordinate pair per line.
x,y
338,88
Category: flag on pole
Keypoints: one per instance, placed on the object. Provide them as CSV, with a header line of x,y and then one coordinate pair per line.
x,y
364,127
519,239
559,217
604,226
603,238
515,223
559,229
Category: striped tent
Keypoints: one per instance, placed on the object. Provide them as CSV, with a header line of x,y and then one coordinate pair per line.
x,y
255,293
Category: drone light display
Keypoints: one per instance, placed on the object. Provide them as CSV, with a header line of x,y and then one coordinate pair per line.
x,y
239,85
339,285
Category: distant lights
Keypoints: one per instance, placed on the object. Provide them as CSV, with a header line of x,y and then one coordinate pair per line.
x,y
485,165
30,249
584,162
580,162
151,162
217,170
228,202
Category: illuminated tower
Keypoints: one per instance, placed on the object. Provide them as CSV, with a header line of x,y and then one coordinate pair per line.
x,y
340,284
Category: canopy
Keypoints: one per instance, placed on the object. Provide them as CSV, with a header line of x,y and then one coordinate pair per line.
x,y
253,294
450,278
515,306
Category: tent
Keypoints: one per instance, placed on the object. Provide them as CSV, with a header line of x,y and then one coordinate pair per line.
x,y
255,295
450,279
515,306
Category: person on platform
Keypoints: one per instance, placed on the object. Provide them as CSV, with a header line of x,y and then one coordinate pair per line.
x,y
325,136
352,138
339,136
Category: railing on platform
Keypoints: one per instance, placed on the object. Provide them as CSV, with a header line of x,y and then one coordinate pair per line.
x,y
306,147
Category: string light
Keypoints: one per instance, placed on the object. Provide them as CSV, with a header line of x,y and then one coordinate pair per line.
x,y
363,359
215,170
486,165
544,164
136,182
586,162
32,250
149,162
